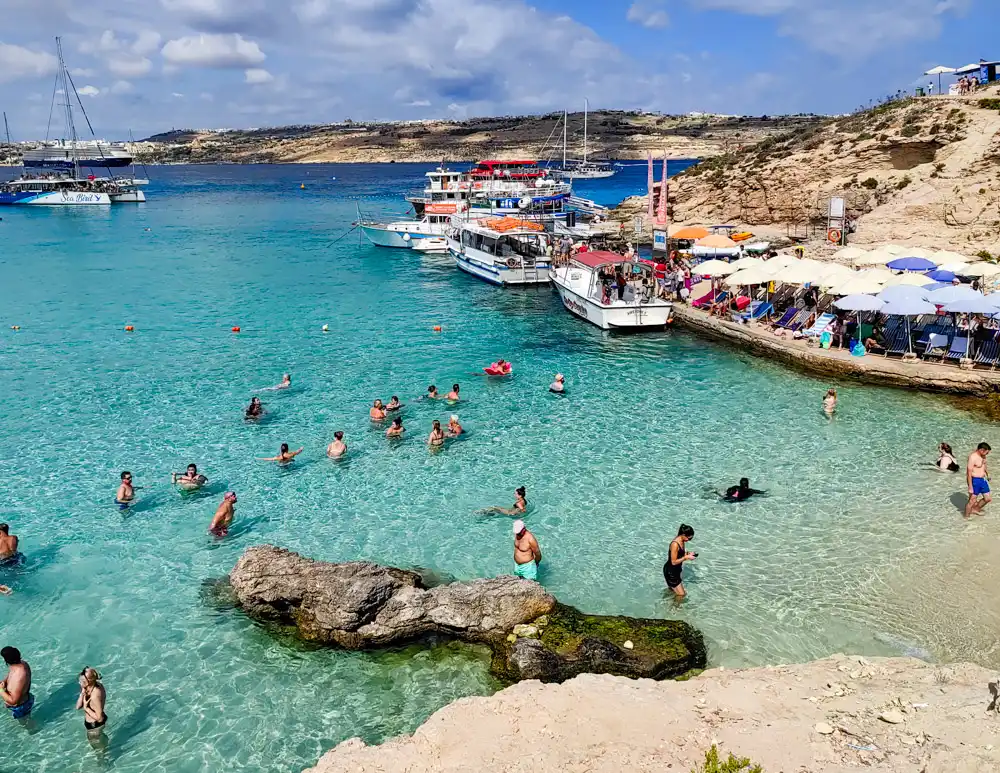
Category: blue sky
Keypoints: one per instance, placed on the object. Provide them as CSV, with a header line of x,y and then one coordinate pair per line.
x,y
157,64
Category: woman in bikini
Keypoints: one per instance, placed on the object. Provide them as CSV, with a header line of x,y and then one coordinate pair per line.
x,y
92,699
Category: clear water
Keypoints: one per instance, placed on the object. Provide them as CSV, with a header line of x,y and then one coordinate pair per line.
x,y
857,548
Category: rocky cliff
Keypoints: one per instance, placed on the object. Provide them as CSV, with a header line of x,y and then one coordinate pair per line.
x,y
919,171
838,715
613,134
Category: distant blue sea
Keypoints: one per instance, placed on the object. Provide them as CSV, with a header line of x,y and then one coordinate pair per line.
x,y
833,559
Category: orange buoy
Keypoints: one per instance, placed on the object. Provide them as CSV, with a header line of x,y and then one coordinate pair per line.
x,y
129,328
236,329
437,328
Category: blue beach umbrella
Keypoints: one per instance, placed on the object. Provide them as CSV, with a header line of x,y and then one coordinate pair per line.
x,y
910,264
903,293
971,305
935,286
940,275
908,307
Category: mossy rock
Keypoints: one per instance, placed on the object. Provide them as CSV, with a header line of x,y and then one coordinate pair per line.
x,y
574,643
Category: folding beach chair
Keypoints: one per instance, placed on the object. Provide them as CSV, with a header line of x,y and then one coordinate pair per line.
x,y
787,317
819,325
989,352
898,342
937,345
799,321
762,311
959,346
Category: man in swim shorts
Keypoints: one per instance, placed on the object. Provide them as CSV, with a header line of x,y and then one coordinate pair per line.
x,y
8,546
125,494
189,480
15,689
396,430
223,515
527,554
338,447
978,478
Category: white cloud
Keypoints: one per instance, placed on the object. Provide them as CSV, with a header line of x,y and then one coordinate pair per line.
x,y
648,13
177,95
82,72
121,87
419,103
17,62
203,50
146,42
89,91
256,75
228,15
129,68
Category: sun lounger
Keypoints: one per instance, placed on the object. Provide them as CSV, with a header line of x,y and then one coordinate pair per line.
x,y
761,311
898,342
959,346
937,345
787,317
819,325
800,320
707,300
925,335
989,353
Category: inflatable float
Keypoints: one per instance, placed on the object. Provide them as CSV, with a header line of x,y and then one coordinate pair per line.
x,y
498,369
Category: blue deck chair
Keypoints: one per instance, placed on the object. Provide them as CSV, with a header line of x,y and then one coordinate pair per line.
x,y
819,325
787,317
937,345
799,321
898,342
959,346
989,352
762,311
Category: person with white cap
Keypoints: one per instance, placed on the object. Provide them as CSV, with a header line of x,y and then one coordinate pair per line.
x,y
527,554
559,385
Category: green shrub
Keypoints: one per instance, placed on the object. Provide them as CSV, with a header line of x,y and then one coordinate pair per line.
x,y
871,184
864,136
989,104
730,765
903,183
910,130
985,255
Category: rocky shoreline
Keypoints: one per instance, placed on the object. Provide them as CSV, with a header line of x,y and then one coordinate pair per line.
x,y
360,605
837,715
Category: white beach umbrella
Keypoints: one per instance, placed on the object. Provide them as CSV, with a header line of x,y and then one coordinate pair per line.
x,y
849,253
981,269
875,258
916,252
713,268
883,275
747,262
780,261
955,268
799,273
911,279
947,295
833,274
755,275
945,257
859,302
903,292
893,249
939,71
859,284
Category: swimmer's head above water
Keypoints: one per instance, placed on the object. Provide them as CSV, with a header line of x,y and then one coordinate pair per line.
x,y
338,435
230,496
284,448
192,470
4,528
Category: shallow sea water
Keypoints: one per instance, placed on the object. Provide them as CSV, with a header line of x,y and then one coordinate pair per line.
x,y
844,554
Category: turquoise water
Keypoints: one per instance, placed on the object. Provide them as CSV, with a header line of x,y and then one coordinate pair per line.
x,y
836,558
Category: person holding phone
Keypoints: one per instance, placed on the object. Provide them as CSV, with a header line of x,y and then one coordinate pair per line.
x,y
678,556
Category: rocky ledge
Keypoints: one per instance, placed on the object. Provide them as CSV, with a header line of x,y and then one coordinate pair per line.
x,y
361,605
839,715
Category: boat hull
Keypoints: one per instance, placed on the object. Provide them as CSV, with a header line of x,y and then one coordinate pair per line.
x,y
640,316
52,198
128,197
398,236
499,274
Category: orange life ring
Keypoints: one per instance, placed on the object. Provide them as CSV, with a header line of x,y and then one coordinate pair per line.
x,y
511,263
834,236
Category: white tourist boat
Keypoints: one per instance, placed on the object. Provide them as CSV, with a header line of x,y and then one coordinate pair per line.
x,y
54,191
68,154
583,294
505,251
582,169
405,234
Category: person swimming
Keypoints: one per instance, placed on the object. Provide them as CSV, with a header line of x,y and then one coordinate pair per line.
x,y
558,386
946,459
338,447
126,492
393,405
286,383
190,480
454,428
432,393
377,411
284,455
255,410
9,555
453,394
224,514
740,493
436,438
396,430
499,368
520,504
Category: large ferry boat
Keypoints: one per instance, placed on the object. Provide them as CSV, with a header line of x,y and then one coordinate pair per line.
x,y
66,155
505,251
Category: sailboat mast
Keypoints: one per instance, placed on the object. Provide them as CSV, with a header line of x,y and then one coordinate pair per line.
x,y
586,110
70,126
6,127
565,120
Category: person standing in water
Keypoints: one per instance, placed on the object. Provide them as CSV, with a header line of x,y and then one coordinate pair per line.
x,y
338,447
454,427
393,405
92,700
15,689
453,394
396,430
125,494
519,507
8,546
558,386
255,410
527,554
432,393
978,478
189,480
284,455
678,556
377,411
224,515
830,402
436,438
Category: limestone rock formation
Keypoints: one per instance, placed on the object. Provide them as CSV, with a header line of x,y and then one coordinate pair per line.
x,y
360,605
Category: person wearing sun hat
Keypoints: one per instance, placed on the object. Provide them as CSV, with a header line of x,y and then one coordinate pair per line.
x,y
559,384
527,554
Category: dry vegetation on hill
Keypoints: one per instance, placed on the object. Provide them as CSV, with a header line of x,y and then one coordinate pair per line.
x,y
613,134
923,171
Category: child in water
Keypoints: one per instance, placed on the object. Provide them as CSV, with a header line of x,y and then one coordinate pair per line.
x,y
830,402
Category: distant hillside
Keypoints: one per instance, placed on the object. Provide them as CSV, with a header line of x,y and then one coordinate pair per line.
x,y
613,134
922,170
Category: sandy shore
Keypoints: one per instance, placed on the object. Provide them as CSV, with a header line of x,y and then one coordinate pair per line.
x,y
830,716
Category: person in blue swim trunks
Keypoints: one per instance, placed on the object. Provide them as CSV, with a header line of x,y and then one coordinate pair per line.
x,y
527,554
15,689
978,478
125,494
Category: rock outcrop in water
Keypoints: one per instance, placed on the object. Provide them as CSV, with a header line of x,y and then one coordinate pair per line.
x,y
360,605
